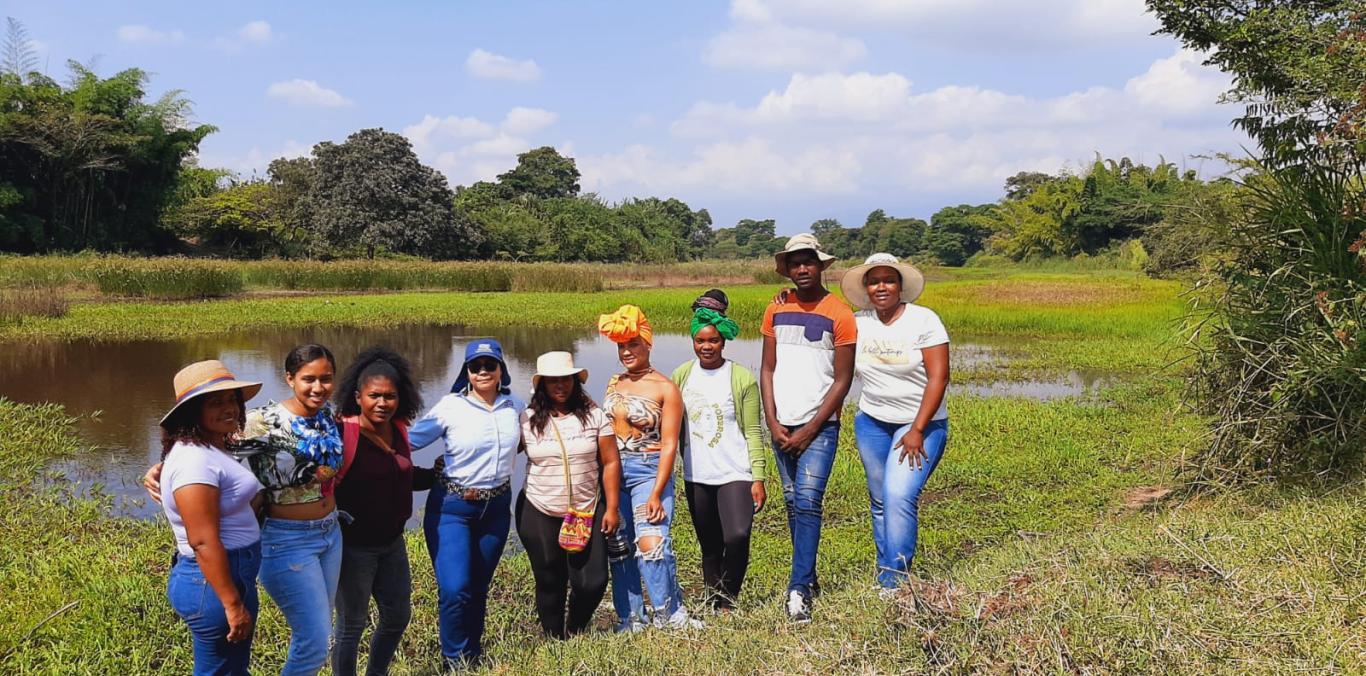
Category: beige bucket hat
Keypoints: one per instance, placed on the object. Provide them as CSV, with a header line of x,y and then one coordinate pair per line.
x,y
554,365
912,282
203,377
803,242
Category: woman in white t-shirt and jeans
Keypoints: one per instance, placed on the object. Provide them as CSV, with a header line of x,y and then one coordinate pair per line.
x,y
211,502
902,424
570,451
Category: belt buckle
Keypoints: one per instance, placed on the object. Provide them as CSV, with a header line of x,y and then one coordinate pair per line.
x,y
470,494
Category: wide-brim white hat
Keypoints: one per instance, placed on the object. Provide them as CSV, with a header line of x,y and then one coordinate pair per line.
x,y
912,281
554,365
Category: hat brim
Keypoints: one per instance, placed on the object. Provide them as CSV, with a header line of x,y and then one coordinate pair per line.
x,y
780,259
582,373
249,390
912,283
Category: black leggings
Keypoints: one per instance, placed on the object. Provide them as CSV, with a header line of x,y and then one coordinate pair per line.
x,y
580,577
723,516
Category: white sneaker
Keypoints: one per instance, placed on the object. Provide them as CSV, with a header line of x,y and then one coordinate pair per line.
x,y
798,608
681,620
886,593
629,626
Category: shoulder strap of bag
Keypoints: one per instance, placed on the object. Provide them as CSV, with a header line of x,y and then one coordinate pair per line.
x,y
564,454
350,439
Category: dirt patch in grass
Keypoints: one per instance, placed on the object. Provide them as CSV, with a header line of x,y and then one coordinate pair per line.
x,y
1053,294
1159,569
1144,497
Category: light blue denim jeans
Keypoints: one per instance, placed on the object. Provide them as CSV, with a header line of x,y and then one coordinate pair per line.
x,y
196,602
804,478
300,565
656,567
894,490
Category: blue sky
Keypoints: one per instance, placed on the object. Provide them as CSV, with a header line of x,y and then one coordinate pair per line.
x,y
786,109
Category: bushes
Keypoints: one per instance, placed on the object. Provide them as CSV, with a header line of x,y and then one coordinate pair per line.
x,y
1281,365
166,278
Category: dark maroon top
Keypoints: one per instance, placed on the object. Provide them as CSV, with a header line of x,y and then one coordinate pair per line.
x,y
377,492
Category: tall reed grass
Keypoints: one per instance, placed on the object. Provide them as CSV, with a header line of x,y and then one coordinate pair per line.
x,y
34,301
166,278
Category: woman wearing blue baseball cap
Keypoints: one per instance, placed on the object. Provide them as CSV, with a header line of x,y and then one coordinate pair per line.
x,y
469,510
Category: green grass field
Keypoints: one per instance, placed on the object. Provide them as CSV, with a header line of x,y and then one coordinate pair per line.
x,y
1041,549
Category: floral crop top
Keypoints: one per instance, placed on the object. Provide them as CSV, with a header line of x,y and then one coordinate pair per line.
x,y
295,457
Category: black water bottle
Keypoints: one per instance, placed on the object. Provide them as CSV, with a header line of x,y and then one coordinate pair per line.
x,y
618,547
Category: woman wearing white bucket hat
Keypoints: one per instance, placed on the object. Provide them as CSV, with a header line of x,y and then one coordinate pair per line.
x,y
211,503
901,427
569,448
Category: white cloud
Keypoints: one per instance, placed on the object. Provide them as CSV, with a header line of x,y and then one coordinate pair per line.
x,y
468,149
307,93
875,134
524,121
778,47
258,32
253,162
982,25
490,66
145,35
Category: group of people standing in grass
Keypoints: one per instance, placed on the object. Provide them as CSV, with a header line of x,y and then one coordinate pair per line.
x,y
310,495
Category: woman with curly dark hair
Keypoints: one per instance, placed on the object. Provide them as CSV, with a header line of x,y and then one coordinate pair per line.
x,y
377,399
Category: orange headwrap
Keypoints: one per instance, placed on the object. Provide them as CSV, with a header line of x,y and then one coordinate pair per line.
x,y
624,324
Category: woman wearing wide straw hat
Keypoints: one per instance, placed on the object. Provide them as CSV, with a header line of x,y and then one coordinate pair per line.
x,y
561,518
469,509
210,501
902,422
646,411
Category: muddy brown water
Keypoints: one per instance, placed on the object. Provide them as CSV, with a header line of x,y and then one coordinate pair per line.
x,y
120,389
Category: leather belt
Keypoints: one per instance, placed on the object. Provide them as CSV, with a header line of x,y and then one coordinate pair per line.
x,y
466,493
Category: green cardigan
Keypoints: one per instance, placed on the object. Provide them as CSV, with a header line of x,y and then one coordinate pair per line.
x,y
744,389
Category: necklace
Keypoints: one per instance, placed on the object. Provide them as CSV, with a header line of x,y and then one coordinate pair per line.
x,y
635,377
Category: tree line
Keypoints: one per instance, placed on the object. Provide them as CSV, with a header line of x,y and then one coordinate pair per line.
x,y
91,164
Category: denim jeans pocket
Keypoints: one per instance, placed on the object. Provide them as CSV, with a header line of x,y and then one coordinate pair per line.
x,y
188,594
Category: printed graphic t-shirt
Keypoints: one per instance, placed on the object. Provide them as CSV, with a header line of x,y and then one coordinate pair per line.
x,y
891,366
806,335
715,451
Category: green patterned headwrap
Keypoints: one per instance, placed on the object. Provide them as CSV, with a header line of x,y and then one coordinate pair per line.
x,y
704,317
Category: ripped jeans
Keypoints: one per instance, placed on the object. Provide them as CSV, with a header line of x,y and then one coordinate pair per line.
x,y
656,567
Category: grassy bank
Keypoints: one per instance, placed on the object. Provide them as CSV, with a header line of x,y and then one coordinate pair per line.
x,y
1034,555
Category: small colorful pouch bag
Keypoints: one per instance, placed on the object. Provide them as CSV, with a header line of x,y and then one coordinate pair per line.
x,y
577,528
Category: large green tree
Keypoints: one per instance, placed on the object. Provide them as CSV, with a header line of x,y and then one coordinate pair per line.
x,y
370,194
543,173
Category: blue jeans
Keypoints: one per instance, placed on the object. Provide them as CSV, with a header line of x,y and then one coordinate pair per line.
x,y
657,566
894,490
804,478
196,602
300,565
465,539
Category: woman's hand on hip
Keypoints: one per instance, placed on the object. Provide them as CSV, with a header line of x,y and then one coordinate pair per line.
x,y
152,482
913,447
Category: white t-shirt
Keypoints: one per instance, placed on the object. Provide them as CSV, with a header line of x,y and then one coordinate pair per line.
x,y
545,486
715,451
889,362
197,464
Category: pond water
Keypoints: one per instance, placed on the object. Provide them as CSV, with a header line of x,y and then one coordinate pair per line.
x,y
121,389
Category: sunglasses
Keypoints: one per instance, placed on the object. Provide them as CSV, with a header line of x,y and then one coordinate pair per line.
x,y
483,366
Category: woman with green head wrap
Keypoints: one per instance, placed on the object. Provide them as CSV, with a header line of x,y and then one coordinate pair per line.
x,y
723,451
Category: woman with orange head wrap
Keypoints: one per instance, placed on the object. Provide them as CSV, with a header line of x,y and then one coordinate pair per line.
x,y
646,411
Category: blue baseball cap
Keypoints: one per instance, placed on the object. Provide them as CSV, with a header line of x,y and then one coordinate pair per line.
x,y
483,347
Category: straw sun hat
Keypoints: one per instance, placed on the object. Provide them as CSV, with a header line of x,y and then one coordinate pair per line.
x,y
203,377
912,282
554,365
